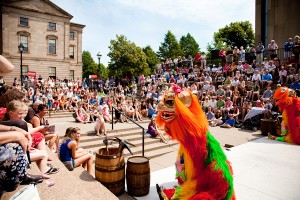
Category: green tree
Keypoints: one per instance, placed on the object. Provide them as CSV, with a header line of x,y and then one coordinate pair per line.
x,y
170,48
104,72
236,34
189,45
152,59
89,66
126,59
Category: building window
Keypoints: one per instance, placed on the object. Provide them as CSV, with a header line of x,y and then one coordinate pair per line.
x,y
72,35
24,70
23,21
71,52
72,74
52,26
24,41
52,71
52,46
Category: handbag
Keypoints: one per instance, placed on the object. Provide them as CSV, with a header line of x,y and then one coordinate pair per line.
x,y
29,192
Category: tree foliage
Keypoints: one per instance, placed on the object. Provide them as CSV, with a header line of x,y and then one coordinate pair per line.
x,y
152,59
89,66
188,45
126,59
170,48
236,34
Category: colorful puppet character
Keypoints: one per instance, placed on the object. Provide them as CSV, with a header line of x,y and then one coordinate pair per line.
x,y
202,169
289,104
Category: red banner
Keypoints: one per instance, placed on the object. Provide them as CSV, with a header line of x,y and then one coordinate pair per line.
x,y
93,76
31,74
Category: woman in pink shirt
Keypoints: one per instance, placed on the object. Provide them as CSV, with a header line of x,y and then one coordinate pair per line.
x,y
226,69
282,75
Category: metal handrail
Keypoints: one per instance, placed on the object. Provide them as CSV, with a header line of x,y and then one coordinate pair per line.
x,y
122,113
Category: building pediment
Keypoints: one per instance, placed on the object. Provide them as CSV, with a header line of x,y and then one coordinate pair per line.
x,y
41,6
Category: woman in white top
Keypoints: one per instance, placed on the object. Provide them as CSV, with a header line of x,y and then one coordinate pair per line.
x,y
256,76
242,54
203,59
205,103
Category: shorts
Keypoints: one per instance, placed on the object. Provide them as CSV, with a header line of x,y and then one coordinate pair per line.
x,y
70,165
37,137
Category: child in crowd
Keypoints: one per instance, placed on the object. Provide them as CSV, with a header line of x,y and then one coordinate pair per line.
x,y
71,155
81,114
229,122
100,125
152,130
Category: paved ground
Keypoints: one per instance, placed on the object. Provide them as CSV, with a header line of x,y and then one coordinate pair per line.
x,y
264,169
231,136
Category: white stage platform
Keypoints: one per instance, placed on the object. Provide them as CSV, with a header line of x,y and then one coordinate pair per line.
x,y
263,170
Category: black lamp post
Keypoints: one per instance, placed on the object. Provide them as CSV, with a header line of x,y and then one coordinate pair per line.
x,y
99,57
21,49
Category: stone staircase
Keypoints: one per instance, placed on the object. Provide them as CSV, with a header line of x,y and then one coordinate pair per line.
x,y
59,114
153,146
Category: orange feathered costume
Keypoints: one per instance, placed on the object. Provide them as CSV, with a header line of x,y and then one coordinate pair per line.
x,y
202,169
289,104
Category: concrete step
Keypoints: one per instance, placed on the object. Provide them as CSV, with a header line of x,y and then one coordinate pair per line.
x,y
110,133
68,184
151,150
59,114
99,142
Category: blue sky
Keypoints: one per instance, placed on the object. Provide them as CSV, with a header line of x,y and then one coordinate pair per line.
x,y
145,22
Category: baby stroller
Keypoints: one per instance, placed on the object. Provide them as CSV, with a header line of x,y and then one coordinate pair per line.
x,y
252,119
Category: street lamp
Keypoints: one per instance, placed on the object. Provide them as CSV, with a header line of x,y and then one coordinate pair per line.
x,y
99,57
21,49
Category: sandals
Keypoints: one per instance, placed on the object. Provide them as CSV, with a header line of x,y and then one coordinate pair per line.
x,y
52,170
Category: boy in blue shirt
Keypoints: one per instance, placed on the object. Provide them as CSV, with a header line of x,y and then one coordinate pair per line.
x,y
229,122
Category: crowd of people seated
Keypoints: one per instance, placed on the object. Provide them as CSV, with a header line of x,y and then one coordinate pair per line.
x,y
226,91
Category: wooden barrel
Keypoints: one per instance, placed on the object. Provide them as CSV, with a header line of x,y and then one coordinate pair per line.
x,y
110,170
268,126
138,176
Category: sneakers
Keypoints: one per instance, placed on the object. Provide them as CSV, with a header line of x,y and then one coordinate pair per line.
x,y
52,170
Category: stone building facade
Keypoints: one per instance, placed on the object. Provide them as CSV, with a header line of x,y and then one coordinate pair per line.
x,y
276,20
52,43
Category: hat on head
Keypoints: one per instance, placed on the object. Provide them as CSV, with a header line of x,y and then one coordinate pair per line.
x,y
36,103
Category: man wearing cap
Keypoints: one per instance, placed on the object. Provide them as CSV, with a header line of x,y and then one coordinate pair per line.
x,y
266,63
291,72
256,76
235,81
220,91
229,122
